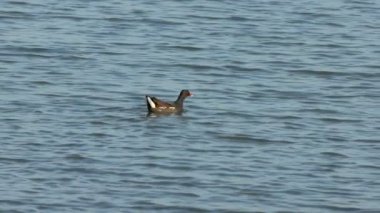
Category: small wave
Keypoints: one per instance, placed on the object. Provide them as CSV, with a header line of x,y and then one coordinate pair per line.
x,y
335,24
320,111
161,21
234,114
281,94
236,138
247,138
125,44
151,206
73,18
320,73
370,167
23,3
13,160
334,154
98,123
41,82
30,55
7,61
287,117
340,120
75,157
373,66
184,47
206,17
328,74
238,18
18,2
100,135
111,53
336,208
312,15
198,66
240,68
15,15
115,19
81,170
377,141
74,57
27,49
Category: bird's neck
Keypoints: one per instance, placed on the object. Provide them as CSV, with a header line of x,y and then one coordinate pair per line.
x,y
180,100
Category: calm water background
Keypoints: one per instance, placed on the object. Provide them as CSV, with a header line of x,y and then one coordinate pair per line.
x,y
285,115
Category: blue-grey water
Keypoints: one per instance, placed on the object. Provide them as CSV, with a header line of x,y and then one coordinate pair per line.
x,y
285,114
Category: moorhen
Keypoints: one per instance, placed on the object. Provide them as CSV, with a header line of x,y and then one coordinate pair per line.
x,y
157,106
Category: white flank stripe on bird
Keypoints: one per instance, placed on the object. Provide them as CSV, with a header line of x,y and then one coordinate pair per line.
x,y
151,103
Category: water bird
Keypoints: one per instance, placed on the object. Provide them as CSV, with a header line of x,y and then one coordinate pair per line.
x,y
156,105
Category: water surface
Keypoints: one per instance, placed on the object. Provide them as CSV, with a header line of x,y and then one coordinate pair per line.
x,y
285,114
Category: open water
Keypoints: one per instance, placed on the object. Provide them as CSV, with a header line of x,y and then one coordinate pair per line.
x,y
285,114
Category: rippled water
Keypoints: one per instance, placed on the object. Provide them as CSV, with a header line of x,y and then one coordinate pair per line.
x,y
285,115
